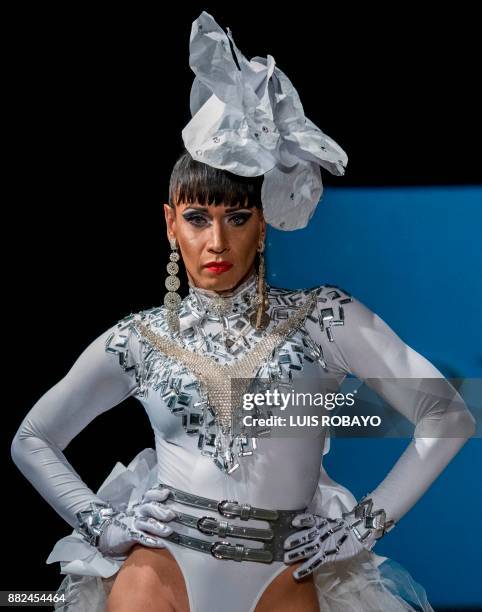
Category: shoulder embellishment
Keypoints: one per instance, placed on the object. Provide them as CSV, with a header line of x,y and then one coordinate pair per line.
x,y
332,300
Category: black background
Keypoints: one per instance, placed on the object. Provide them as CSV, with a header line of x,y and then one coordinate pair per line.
x,y
96,104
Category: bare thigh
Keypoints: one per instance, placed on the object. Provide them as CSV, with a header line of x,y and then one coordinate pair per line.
x,y
150,580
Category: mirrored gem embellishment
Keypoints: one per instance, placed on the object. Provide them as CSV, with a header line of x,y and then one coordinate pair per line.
x,y
221,386
201,373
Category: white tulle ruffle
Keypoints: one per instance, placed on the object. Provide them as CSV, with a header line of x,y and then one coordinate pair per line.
x,y
89,574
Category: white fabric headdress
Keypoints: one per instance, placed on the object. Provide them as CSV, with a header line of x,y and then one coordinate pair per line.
x,y
247,118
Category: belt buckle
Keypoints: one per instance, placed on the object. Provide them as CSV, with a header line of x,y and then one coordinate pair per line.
x,y
243,511
203,528
216,545
225,512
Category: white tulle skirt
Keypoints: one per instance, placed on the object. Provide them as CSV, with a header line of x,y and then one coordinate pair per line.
x,y
364,583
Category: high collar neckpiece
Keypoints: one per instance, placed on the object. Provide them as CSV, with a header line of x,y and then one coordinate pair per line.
x,y
237,301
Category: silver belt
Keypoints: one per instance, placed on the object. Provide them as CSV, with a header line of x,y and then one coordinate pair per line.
x,y
273,537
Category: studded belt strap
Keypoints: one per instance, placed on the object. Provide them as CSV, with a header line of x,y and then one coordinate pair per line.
x,y
272,537
225,507
224,550
210,526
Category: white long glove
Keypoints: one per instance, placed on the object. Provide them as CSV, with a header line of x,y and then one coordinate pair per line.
x,y
115,533
324,539
360,343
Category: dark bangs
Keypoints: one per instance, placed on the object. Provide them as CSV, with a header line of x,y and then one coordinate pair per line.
x,y
193,181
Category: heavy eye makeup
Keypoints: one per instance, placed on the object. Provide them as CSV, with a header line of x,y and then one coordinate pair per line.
x,y
201,219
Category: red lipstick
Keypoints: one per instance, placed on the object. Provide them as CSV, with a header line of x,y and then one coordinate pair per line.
x,y
218,267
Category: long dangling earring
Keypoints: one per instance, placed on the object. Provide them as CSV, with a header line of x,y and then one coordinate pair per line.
x,y
260,318
172,300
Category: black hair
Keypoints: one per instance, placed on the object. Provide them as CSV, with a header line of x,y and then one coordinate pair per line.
x,y
193,181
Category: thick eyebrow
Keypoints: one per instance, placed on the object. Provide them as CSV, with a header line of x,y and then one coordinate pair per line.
x,y
204,209
237,210
194,207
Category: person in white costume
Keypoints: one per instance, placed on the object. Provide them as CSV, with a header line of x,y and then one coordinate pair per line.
x,y
217,517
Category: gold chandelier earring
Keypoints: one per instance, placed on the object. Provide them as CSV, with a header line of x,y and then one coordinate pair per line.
x,y
260,318
172,299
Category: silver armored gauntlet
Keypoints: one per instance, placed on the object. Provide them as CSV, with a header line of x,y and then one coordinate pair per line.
x,y
92,522
368,522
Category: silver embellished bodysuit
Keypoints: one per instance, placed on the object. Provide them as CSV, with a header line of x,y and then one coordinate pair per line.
x,y
191,384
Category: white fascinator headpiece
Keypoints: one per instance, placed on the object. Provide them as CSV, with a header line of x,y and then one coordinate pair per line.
x,y
247,118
